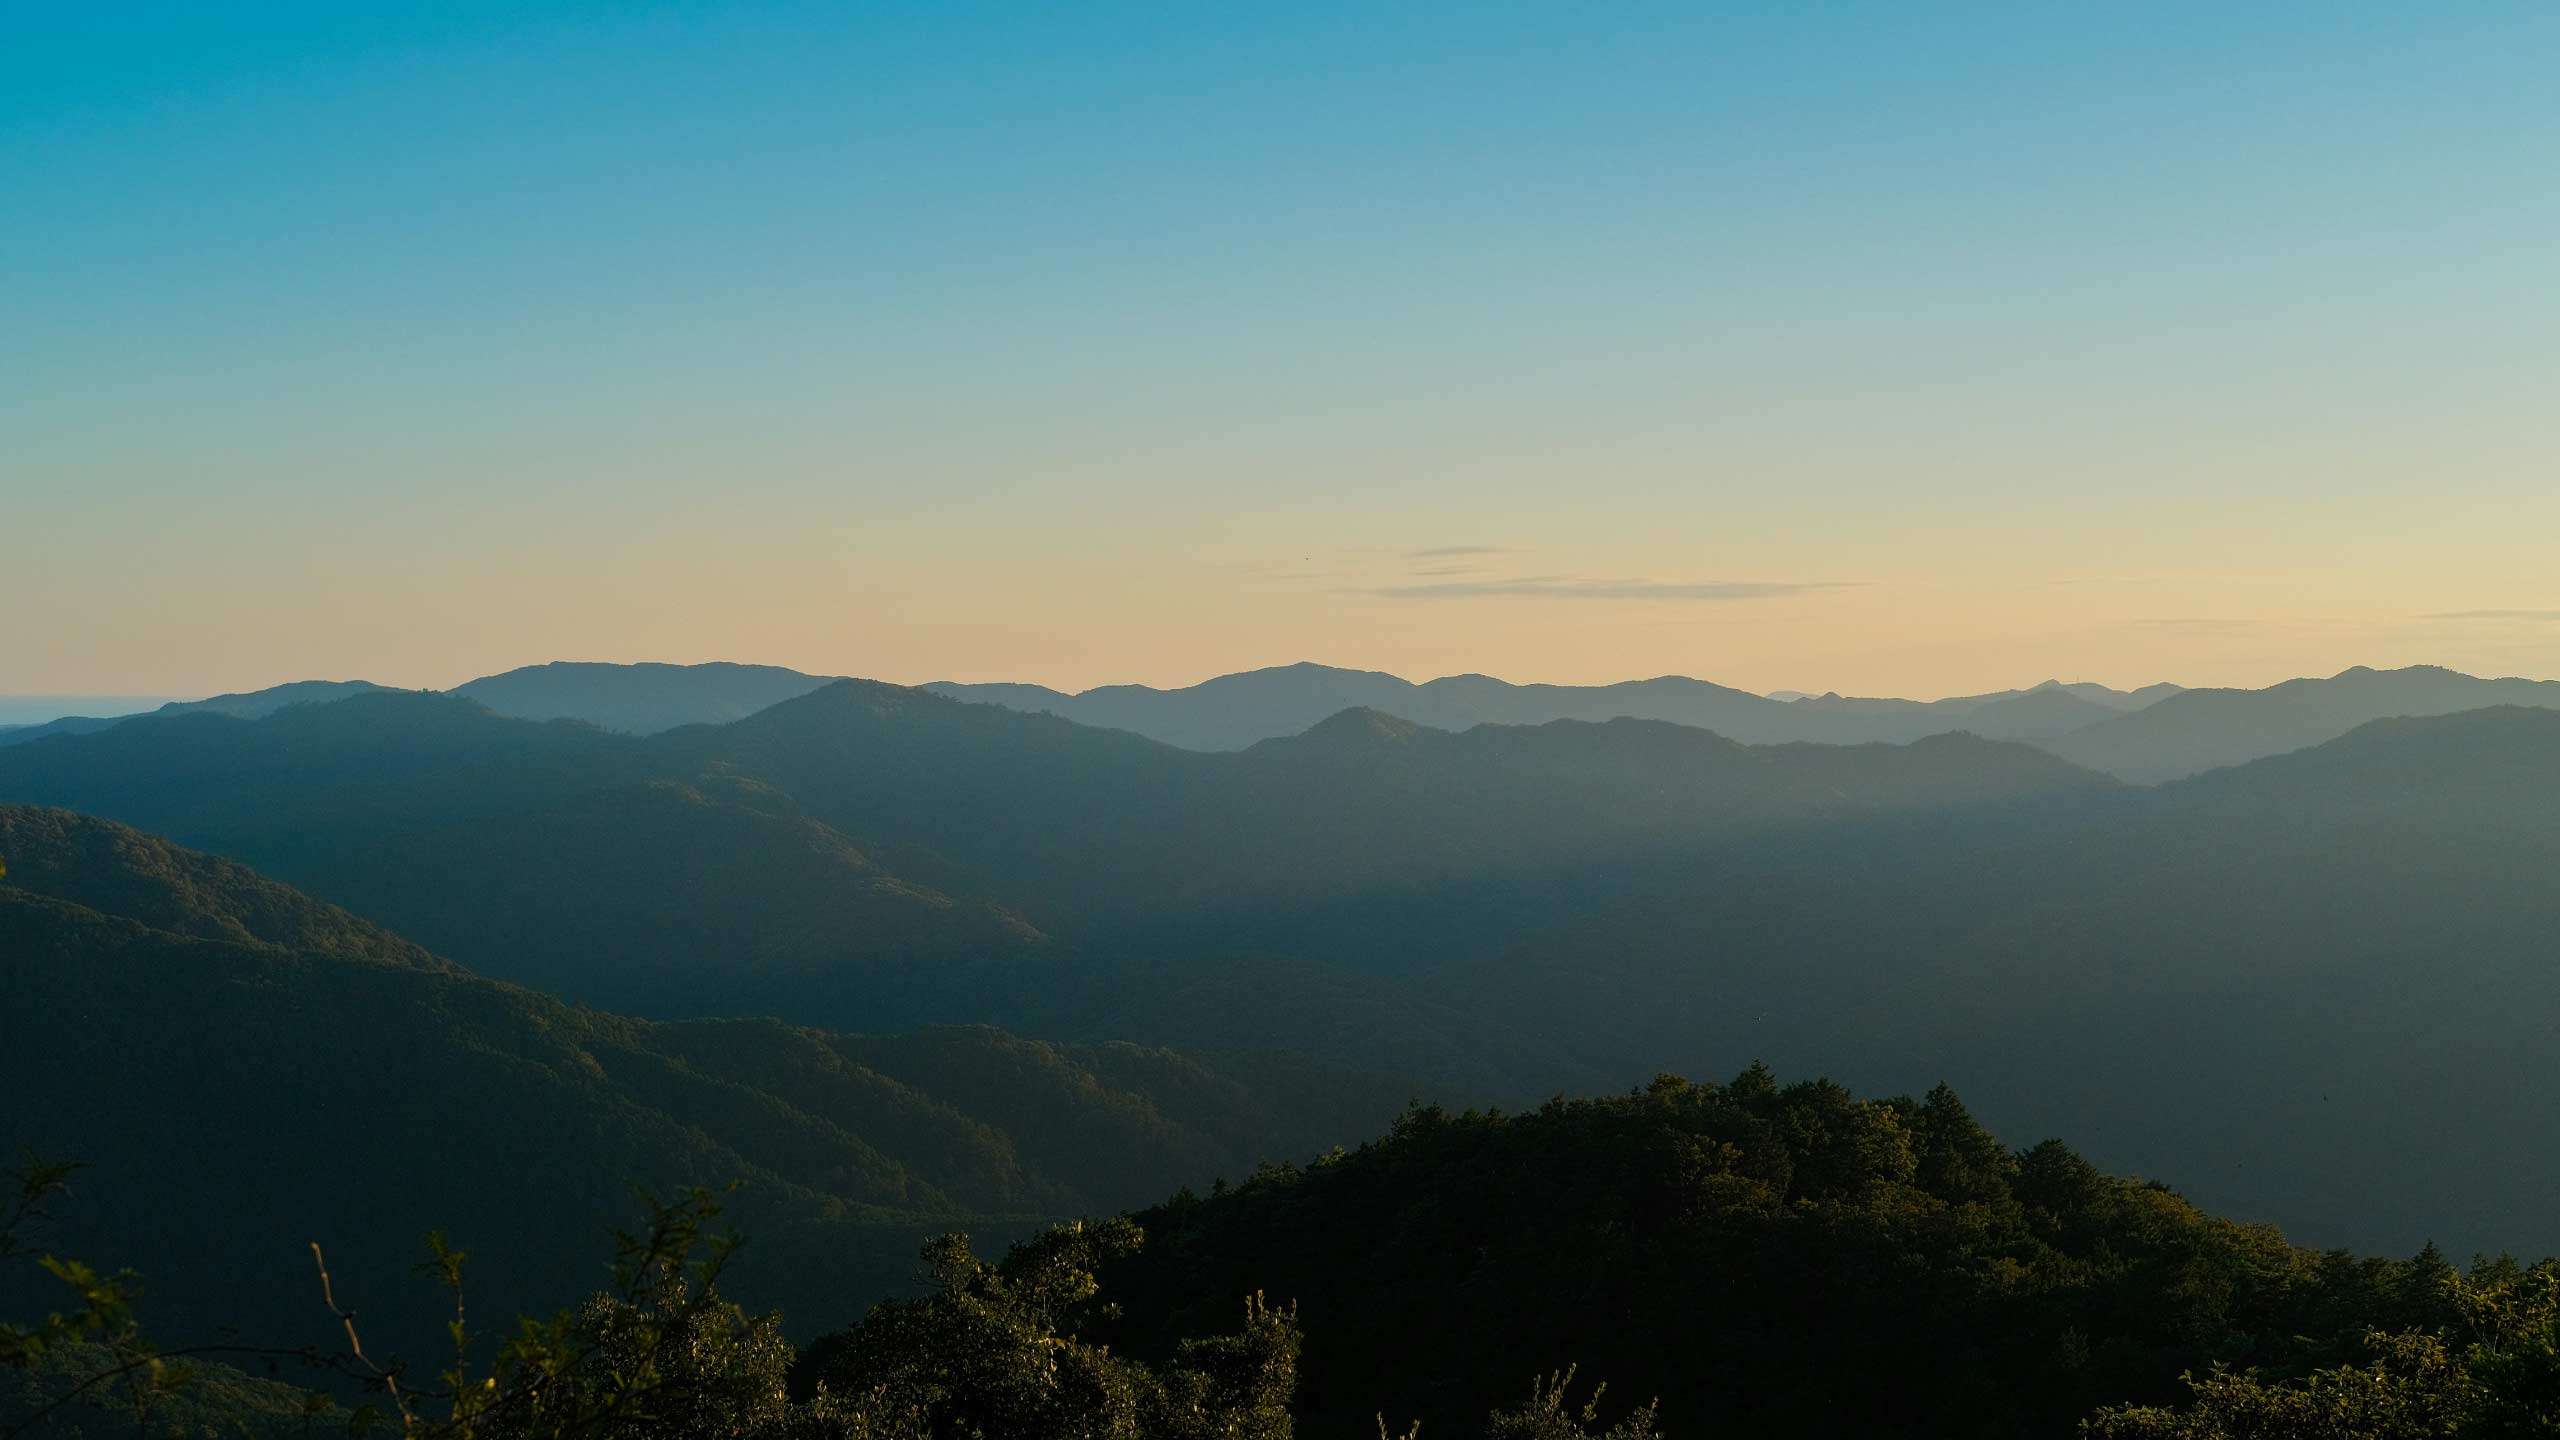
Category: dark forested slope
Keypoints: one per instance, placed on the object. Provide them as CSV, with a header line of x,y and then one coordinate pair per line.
x,y
552,854
1766,1260
246,1071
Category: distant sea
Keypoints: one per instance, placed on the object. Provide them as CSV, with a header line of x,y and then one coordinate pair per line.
x,y
37,709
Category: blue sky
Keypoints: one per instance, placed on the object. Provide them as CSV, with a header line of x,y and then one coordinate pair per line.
x,y
1918,348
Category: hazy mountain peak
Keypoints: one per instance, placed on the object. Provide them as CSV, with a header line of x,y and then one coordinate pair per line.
x,y
639,699
1359,726
256,704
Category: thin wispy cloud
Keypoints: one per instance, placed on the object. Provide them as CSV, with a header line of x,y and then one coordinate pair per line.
x,y
1452,552
2193,622
2541,615
1568,587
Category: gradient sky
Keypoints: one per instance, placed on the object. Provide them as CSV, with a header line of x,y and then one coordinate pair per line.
x,y
1889,348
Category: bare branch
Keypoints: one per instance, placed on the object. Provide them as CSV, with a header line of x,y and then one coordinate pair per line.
x,y
355,1343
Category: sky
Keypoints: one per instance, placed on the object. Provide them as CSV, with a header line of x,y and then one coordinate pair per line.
x,y
1891,348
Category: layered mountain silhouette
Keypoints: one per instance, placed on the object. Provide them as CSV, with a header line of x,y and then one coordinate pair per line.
x,y
1231,712
245,1070
2121,733
1089,825
871,855
2202,730
552,853
1498,913
2134,735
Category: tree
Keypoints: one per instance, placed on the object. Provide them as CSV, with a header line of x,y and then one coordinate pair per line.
x,y
1001,1350
2496,1378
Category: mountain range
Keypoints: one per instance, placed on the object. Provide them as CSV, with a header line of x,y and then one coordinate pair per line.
x,y
1231,712
868,854
2198,730
2131,735
2194,977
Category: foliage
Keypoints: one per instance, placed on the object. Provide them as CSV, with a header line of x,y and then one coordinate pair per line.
x,y
1003,1350
2494,1374
1548,1415
994,1350
93,1358
1768,1259
1738,1248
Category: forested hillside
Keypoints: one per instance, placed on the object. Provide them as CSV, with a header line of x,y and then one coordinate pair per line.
x,y
245,1071
1764,1259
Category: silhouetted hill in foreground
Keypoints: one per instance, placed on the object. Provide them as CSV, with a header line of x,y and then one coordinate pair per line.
x,y
1766,1260
1748,1258
638,699
247,1071
1231,712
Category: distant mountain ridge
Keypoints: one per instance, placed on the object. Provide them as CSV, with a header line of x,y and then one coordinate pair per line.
x,y
246,705
2156,733
640,699
2201,730
2126,734
1230,712
17,711
873,855
1038,806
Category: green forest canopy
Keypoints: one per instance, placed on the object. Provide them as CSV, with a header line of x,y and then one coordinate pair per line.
x,y
1745,1258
